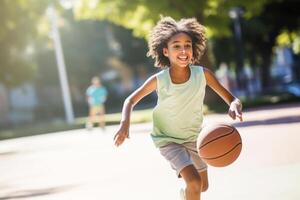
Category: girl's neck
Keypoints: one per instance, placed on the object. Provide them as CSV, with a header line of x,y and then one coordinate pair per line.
x,y
179,74
179,70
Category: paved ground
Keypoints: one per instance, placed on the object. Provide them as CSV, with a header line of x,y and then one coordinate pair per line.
x,y
81,165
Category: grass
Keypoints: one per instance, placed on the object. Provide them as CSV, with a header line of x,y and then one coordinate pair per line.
x,y
138,116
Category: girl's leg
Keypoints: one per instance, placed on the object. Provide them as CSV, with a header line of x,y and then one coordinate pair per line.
x,y
204,179
90,119
102,117
194,183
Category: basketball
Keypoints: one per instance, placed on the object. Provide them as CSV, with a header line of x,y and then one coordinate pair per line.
x,y
219,145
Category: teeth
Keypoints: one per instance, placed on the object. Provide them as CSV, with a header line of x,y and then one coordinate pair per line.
x,y
183,57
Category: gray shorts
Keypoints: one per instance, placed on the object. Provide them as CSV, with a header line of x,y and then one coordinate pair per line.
x,y
183,155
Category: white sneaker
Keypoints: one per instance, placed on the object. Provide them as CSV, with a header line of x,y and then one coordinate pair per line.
x,y
89,126
103,129
182,194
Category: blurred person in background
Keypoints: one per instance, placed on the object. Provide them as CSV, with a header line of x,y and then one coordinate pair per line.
x,y
96,95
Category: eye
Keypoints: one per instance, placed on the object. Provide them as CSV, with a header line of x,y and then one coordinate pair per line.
x,y
188,46
176,46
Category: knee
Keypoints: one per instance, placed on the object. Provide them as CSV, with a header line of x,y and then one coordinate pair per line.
x,y
195,185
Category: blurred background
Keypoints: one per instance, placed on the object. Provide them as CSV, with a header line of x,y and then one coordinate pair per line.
x,y
50,50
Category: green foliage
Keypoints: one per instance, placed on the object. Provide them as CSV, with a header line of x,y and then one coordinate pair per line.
x,y
141,15
18,21
130,44
289,39
87,47
263,21
87,51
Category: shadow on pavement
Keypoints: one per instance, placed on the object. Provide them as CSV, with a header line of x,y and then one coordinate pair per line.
x,y
271,121
7,153
34,193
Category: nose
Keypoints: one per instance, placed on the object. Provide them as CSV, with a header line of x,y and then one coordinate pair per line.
x,y
183,50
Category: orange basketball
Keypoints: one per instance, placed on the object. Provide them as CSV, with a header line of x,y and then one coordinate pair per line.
x,y
219,145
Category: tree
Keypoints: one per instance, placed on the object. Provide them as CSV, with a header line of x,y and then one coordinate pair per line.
x,y
263,20
259,36
141,16
261,32
18,21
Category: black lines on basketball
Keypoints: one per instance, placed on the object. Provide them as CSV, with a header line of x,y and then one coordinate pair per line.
x,y
225,153
219,145
216,138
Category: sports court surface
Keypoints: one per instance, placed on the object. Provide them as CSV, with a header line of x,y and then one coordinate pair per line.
x,y
81,165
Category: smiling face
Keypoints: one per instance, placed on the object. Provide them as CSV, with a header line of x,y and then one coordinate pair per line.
x,y
179,50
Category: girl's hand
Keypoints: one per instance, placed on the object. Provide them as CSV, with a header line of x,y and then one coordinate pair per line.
x,y
121,135
235,109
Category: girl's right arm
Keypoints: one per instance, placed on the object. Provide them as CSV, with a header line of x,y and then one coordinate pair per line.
x,y
123,132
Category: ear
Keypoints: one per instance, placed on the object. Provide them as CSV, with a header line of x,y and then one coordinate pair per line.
x,y
165,52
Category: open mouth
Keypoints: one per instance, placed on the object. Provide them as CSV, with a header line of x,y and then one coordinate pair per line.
x,y
183,58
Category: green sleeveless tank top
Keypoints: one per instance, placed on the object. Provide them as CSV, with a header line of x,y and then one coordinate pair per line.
x,y
178,115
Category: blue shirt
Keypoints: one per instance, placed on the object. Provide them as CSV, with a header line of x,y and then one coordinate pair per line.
x,y
97,95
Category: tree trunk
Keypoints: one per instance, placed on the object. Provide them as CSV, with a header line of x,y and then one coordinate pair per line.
x,y
265,69
266,53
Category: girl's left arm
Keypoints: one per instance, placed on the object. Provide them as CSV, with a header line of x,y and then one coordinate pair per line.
x,y
235,105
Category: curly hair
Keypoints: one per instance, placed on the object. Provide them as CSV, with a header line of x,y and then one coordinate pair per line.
x,y
166,28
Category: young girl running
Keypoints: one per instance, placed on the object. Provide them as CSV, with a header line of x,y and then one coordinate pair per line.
x,y
180,86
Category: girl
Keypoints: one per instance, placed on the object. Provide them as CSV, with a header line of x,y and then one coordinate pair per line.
x,y
177,117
